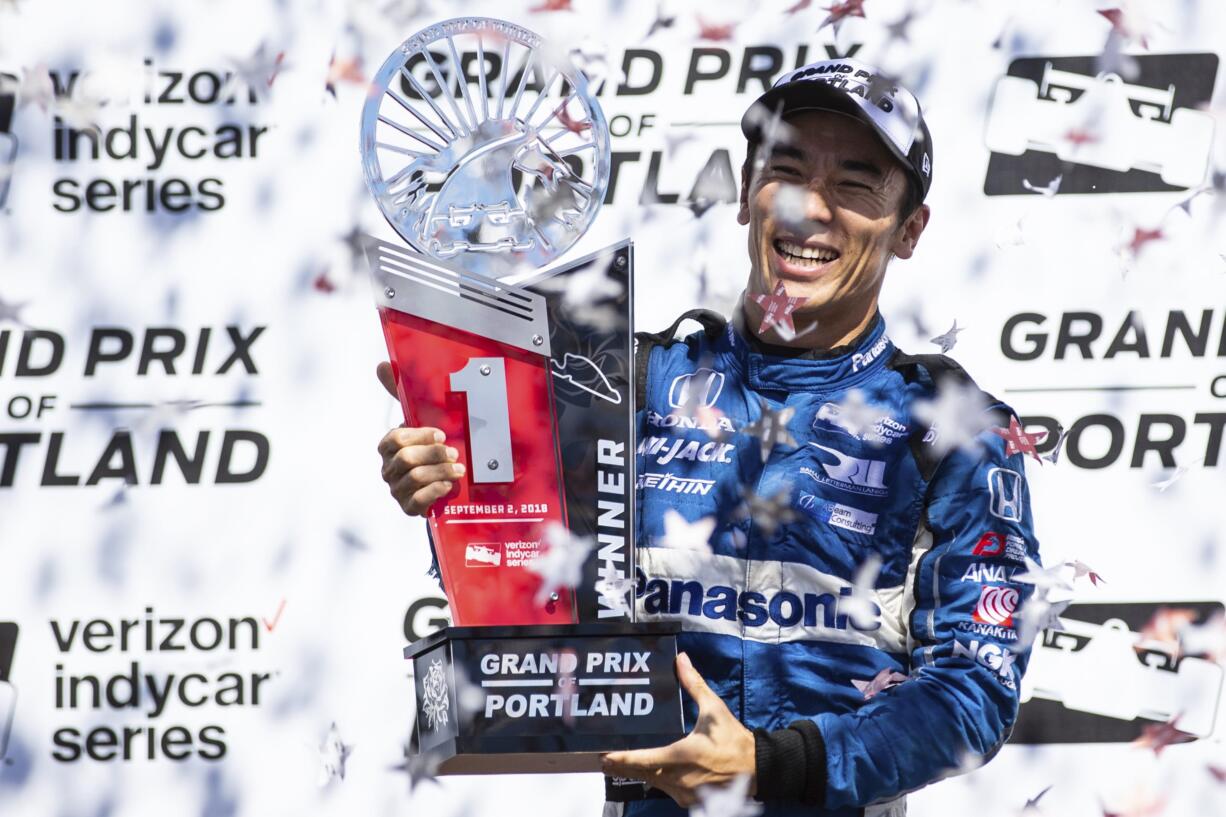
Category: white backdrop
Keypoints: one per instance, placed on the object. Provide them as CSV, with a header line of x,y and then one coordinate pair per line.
x,y
306,545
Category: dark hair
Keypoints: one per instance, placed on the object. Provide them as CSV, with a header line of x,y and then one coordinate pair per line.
x,y
911,199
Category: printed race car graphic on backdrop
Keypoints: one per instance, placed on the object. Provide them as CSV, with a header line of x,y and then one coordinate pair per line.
x,y
1099,681
1056,117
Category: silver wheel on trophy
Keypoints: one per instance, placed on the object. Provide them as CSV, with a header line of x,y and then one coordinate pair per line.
x,y
506,166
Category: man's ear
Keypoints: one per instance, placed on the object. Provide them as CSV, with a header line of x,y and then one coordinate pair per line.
x,y
742,215
912,228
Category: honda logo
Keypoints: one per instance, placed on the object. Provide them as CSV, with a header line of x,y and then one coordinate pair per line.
x,y
1005,490
699,389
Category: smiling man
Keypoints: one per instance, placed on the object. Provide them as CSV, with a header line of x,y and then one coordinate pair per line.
x,y
843,645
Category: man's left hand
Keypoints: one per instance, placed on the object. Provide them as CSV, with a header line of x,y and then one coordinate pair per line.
x,y
718,749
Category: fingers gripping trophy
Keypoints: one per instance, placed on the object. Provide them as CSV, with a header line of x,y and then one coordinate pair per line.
x,y
487,154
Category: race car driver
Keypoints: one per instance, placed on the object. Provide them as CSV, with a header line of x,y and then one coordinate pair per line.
x,y
779,642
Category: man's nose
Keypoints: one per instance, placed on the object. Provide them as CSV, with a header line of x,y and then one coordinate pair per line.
x,y
817,206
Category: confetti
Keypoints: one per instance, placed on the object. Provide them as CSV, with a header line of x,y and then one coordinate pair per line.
x,y
1017,441
769,513
731,800
551,5
1038,614
1032,805
955,418
1161,735
771,428
1081,569
948,340
333,753
716,32
561,565
777,309
1048,190
348,70
859,606
839,12
681,534
661,21
881,681
1053,456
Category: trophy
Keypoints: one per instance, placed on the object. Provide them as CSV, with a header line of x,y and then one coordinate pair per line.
x,y
487,153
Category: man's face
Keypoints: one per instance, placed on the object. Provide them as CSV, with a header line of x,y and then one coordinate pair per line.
x,y
823,216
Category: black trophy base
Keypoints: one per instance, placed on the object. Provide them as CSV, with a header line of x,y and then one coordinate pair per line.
x,y
544,698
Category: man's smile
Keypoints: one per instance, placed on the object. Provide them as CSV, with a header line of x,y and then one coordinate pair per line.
x,y
803,260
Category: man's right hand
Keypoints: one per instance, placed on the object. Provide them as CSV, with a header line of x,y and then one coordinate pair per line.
x,y
417,465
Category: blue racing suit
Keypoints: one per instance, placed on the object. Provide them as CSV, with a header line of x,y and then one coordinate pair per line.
x,y
768,617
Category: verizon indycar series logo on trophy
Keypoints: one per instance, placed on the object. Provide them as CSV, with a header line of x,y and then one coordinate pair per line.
x,y
1064,121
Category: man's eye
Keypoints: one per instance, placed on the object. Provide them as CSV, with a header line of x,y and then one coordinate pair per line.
x,y
856,184
785,169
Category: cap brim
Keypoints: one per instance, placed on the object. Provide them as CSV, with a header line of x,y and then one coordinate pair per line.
x,y
815,96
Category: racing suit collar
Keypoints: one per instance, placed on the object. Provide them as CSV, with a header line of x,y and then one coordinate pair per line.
x,y
767,366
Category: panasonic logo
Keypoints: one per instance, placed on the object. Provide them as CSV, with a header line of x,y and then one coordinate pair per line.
x,y
784,601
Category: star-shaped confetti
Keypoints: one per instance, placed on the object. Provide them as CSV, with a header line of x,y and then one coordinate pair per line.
x,y
777,309
420,767
34,87
552,5
560,566
661,21
1175,476
948,340
859,418
346,70
1017,441
859,606
1142,236
1081,569
1046,191
955,418
1130,22
11,311
1054,455
731,800
881,681
716,32
1038,614
260,70
1032,804
769,512
1164,626
333,753
613,592
1044,579
836,14
771,428
682,534
1161,735
1207,639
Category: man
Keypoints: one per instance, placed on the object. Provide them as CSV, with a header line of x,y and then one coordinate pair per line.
x,y
825,475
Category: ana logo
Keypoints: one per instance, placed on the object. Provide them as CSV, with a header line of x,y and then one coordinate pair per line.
x,y
699,389
1059,120
985,572
996,606
434,698
8,694
8,142
992,544
1005,493
850,473
483,554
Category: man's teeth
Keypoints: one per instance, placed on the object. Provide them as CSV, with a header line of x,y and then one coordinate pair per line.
x,y
811,254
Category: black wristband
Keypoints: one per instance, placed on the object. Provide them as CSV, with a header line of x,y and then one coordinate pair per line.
x,y
791,763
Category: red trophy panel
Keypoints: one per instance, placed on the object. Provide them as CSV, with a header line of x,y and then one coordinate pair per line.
x,y
494,402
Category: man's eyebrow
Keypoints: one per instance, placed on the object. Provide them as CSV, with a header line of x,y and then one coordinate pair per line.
x,y
862,167
787,152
